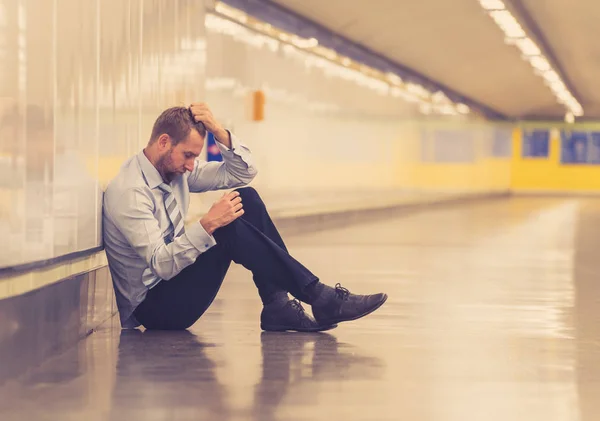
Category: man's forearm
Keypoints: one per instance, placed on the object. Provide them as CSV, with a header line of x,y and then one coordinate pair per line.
x,y
236,169
208,224
223,137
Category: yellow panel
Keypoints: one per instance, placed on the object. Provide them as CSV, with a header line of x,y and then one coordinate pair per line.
x,y
549,175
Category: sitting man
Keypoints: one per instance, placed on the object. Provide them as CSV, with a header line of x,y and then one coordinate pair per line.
x,y
166,275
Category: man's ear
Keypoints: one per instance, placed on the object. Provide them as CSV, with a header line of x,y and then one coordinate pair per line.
x,y
164,141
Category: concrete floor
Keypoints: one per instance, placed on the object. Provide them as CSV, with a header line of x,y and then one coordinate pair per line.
x,y
493,314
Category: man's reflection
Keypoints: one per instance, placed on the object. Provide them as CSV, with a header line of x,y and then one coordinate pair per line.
x,y
166,375
293,366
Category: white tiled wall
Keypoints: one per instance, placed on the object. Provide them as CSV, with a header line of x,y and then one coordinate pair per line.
x,y
81,83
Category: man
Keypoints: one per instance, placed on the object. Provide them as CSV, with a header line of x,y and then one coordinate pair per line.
x,y
166,275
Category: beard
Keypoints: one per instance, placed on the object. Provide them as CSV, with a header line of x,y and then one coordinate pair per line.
x,y
164,166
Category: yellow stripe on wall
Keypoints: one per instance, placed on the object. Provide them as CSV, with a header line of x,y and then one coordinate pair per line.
x,y
485,174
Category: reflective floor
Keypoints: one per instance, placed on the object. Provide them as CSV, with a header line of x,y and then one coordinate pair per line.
x,y
493,314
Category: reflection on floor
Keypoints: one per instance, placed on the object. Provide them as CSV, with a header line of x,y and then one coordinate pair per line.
x,y
493,314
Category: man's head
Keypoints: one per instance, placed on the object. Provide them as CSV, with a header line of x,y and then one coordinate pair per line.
x,y
176,141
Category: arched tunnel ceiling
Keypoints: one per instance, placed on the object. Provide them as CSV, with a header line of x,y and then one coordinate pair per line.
x,y
456,44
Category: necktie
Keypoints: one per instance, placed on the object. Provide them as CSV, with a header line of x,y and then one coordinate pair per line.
x,y
172,209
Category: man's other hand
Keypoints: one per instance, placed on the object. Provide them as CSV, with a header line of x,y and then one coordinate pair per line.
x,y
223,212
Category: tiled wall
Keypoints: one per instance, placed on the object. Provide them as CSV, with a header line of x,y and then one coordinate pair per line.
x,y
81,83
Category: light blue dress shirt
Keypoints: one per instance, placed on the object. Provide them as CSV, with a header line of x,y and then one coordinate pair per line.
x,y
135,222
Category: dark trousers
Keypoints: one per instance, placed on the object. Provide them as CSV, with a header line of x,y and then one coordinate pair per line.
x,y
251,241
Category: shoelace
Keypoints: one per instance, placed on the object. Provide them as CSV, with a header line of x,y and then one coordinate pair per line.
x,y
341,292
295,304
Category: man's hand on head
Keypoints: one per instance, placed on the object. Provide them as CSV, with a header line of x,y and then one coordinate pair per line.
x,y
203,114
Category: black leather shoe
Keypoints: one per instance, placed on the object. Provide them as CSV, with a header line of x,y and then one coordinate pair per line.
x,y
344,306
290,316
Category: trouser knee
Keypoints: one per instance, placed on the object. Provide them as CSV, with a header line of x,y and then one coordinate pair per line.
x,y
251,199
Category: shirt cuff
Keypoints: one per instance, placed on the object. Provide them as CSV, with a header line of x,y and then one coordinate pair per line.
x,y
237,149
235,144
199,237
222,147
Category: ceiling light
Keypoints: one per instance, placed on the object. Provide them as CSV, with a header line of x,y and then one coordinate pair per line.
x,y
569,118
418,90
447,110
326,52
539,63
231,12
305,43
492,4
462,108
395,79
528,47
551,76
558,85
439,97
508,23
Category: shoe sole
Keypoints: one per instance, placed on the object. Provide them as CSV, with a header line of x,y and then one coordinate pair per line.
x,y
274,328
343,319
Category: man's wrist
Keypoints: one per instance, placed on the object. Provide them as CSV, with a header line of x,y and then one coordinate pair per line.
x,y
223,137
208,225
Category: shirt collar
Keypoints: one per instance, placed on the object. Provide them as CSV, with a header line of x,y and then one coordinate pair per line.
x,y
151,174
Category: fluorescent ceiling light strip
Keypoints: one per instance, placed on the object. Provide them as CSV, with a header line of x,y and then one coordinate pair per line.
x,y
508,23
528,47
515,35
540,63
492,4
